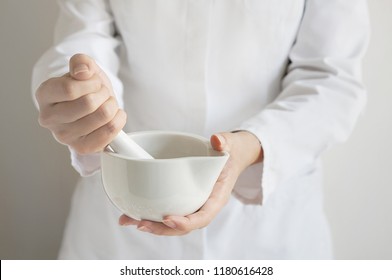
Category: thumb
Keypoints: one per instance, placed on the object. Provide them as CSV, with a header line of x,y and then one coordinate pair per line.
x,y
82,67
218,142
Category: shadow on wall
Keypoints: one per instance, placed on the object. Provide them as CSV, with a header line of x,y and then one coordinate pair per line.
x,y
36,177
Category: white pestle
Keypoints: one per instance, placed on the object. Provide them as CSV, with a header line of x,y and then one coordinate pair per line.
x,y
124,145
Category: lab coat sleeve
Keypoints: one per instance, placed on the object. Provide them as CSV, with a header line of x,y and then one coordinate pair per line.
x,y
82,27
321,96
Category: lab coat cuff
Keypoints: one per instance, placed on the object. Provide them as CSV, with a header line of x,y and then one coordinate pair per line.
x,y
258,189
85,165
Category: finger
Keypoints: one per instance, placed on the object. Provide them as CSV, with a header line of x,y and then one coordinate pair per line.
x,y
100,117
64,88
71,111
148,226
220,142
124,220
98,139
82,67
204,215
71,133
158,228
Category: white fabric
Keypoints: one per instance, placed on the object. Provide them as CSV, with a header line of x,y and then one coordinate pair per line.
x,y
286,70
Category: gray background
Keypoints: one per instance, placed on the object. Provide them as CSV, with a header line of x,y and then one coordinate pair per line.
x,y
36,180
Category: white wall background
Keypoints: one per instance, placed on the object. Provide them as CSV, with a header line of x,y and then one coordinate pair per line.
x,y
358,174
36,180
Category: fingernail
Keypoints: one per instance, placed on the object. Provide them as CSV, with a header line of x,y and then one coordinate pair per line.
x,y
80,68
221,139
144,229
127,224
169,223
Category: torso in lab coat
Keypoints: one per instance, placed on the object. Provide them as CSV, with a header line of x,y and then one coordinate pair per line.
x,y
205,66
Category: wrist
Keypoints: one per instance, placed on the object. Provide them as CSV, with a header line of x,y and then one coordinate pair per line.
x,y
249,148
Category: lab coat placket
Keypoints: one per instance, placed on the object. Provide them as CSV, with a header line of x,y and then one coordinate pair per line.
x,y
195,49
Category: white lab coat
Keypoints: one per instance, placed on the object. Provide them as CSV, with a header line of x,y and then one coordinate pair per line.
x,y
286,70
